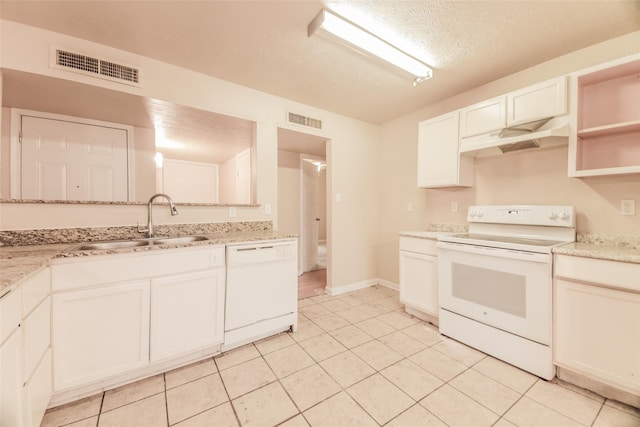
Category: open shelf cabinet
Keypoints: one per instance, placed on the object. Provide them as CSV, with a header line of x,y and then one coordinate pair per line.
x,y
606,119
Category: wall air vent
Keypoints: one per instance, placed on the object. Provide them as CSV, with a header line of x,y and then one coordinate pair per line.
x,y
299,119
98,67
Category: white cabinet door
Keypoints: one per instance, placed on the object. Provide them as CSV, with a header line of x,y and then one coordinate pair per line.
x,y
540,101
99,332
37,392
419,281
483,117
187,313
597,333
439,161
11,380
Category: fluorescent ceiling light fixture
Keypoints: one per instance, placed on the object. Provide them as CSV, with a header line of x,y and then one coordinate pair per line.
x,y
329,24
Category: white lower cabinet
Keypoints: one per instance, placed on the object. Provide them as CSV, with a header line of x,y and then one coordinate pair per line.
x,y
120,317
419,276
100,332
597,324
11,380
184,314
37,391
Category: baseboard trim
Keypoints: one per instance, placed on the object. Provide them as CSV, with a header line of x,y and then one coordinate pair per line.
x,y
360,285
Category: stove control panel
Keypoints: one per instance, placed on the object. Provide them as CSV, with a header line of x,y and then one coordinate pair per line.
x,y
546,215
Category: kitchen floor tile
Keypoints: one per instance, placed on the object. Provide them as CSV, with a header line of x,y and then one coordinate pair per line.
x,y
194,397
220,416
247,376
424,333
374,327
266,406
398,319
310,386
351,336
414,417
376,354
380,398
456,409
439,364
528,413
148,412
567,402
190,373
322,347
457,351
376,365
330,322
236,356
402,343
514,378
131,392
74,411
339,410
612,417
276,342
347,368
412,379
353,315
288,360
485,391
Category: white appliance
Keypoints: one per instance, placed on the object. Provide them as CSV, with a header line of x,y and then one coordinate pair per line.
x,y
495,282
262,291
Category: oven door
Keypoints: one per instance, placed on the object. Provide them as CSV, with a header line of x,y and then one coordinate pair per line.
x,y
506,289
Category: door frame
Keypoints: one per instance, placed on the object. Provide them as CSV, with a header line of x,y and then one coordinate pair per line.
x,y
303,238
15,158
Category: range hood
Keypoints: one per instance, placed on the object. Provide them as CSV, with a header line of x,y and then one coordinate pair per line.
x,y
552,131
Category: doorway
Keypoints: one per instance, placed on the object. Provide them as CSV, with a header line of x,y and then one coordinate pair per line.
x,y
302,205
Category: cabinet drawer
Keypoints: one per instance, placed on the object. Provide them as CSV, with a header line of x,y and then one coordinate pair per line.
x,y
37,336
10,312
623,275
35,289
422,246
105,269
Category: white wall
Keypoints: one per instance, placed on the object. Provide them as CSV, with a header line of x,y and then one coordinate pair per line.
x,y
534,177
26,49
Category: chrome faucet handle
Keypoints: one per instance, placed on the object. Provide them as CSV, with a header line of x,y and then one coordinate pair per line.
x,y
142,230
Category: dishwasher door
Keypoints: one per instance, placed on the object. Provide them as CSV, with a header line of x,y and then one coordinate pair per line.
x,y
262,283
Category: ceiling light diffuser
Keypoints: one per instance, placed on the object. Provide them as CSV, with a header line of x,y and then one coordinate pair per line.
x,y
334,26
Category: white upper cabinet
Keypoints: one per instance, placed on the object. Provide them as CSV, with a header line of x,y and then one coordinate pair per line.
x,y
605,112
537,102
439,161
483,117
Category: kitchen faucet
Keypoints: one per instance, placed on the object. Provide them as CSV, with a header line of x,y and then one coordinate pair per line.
x,y
172,208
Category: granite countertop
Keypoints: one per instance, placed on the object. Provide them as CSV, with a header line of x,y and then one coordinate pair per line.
x,y
20,262
436,230
599,251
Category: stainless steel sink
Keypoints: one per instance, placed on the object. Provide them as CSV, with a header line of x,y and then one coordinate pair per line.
x,y
177,240
116,244
120,244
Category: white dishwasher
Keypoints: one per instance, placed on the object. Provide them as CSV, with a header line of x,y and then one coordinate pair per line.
x,y
262,291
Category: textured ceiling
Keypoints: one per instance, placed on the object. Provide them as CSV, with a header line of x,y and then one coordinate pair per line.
x,y
264,44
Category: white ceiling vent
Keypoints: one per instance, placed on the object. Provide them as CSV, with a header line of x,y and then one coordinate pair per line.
x,y
93,66
299,119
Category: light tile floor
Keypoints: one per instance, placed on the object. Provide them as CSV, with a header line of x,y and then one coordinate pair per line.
x,y
357,360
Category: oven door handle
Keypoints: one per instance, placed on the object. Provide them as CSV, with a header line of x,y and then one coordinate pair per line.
x,y
494,252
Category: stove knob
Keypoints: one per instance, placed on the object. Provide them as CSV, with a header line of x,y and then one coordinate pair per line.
x,y
480,213
552,215
564,215
472,213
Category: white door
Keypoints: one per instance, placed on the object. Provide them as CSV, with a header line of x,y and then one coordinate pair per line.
x,y
65,160
190,182
187,313
99,333
309,215
11,385
419,281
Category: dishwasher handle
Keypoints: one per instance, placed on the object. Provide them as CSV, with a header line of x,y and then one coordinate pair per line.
x,y
258,253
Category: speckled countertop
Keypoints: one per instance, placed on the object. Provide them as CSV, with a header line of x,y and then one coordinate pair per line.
x,y
612,247
435,230
20,262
